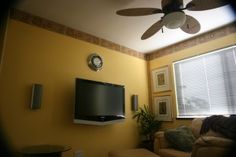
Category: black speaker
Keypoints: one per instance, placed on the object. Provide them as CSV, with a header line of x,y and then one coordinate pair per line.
x,y
36,97
134,103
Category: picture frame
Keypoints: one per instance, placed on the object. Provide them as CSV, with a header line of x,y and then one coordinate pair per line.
x,y
160,79
162,108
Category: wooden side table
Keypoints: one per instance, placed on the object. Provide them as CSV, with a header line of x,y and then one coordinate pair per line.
x,y
44,150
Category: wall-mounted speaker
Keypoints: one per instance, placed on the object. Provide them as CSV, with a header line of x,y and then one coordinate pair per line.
x,y
36,96
134,102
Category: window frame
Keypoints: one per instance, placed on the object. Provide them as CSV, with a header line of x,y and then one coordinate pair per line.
x,y
174,78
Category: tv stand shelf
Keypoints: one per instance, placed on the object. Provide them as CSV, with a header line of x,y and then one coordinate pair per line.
x,y
89,122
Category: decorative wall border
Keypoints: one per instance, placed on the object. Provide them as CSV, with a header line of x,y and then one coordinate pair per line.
x,y
203,38
62,29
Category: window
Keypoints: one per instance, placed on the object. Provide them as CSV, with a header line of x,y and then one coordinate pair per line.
x,y
206,84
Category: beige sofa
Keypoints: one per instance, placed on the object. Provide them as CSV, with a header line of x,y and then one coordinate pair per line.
x,y
209,145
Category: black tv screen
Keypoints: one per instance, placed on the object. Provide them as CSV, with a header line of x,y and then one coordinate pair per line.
x,y
98,102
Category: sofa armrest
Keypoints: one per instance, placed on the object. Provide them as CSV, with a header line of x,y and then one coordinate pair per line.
x,y
160,142
212,146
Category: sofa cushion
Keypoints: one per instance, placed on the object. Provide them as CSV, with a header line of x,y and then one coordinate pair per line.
x,y
180,138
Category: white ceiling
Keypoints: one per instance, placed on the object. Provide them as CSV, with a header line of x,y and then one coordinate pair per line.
x,y
98,18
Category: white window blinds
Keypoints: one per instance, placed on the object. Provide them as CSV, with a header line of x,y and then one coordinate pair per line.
x,y
206,84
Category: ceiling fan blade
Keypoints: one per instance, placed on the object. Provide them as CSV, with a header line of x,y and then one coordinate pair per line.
x,y
199,5
191,25
138,11
152,30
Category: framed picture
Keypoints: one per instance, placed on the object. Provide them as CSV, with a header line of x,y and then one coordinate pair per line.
x,y
162,108
160,79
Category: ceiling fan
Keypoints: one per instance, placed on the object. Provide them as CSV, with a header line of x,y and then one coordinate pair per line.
x,y
174,16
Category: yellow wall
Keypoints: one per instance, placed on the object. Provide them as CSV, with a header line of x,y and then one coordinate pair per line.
x,y
169,59
35,55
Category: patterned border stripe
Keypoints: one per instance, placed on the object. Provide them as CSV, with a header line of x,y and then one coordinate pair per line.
x,y
59,28
203,38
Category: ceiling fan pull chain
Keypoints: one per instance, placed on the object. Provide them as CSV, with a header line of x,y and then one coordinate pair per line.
x,y
162,31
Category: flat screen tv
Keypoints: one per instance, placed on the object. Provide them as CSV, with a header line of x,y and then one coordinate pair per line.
x,y
98,103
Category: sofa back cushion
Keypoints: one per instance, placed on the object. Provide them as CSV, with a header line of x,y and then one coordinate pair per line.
x,y
196,126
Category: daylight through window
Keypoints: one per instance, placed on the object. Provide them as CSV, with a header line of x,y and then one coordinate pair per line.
x,y
206,84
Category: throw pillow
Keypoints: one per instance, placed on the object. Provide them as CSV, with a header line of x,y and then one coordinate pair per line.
x,y
180,138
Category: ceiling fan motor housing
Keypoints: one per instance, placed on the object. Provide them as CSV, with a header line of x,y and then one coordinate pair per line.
x,y
169,6
174,20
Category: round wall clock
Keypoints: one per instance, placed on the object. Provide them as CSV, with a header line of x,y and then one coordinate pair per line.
x,y
95,62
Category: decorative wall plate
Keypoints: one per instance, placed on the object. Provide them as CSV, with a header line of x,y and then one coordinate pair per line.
x,y
95,62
